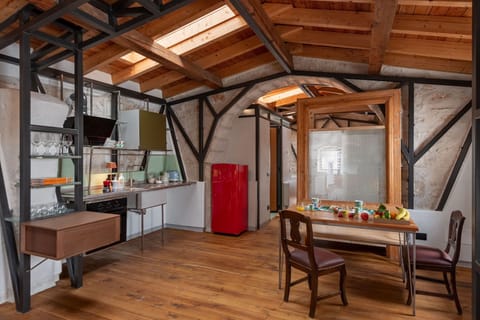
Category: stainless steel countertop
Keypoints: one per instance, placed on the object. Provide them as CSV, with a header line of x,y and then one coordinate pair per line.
x,y
96,194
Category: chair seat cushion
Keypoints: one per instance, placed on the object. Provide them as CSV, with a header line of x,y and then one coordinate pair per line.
x,y
432,256
324,258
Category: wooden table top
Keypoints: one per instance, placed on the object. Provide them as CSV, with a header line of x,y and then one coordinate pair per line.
x,y
329,218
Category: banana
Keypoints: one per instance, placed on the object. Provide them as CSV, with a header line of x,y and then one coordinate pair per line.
x,y
402,212
407,216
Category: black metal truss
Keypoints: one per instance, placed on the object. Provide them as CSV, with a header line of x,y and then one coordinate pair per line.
x,y
406,146
9,237
267,42
410,151
476,160
456,170
300,73
200,152
419,153
33,19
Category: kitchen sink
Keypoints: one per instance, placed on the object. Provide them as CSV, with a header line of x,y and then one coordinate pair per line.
x,y
144,198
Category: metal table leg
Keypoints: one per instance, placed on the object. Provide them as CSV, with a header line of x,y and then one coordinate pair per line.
x,y
411,267
142,214
163,225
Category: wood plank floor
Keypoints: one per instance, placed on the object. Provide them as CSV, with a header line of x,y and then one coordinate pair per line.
x,y
208,276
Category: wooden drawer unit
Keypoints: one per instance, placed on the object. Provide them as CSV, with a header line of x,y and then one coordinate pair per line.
x,y
69,235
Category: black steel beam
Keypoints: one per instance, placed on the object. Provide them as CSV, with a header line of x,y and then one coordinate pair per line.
x,y
8,59
173,135
49,48
307,90
202,151
410,145
23,304
75,264
476,160
217,116
9,237
43,64
446,82
40,21
257,160
101,5
267,42
184,133
55,74
350,85
210,107
150,6
56,41
37,84
377,77
93,21
419,154
454,174
135,23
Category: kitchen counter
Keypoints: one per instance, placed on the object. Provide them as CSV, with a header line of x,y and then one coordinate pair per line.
x,y
96,194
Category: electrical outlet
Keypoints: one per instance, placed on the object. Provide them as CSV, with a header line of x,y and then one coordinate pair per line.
x,y
421,236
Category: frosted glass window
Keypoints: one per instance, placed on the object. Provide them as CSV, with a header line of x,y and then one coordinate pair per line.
x,y
348,164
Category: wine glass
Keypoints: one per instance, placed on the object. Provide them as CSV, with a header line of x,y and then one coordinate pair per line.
x,y
67,141
36,141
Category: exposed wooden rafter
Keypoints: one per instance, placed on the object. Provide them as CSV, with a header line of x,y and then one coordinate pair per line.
x,y
384,15
258,20
429,3
150,49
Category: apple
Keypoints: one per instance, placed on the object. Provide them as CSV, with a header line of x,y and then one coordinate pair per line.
x,y
364,216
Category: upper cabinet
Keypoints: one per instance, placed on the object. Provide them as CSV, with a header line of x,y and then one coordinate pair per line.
x,y
142,130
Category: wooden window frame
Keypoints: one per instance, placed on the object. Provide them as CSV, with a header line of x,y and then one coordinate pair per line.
x,y
307,108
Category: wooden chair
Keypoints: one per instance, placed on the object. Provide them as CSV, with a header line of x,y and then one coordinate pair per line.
x,y
445,261
301,254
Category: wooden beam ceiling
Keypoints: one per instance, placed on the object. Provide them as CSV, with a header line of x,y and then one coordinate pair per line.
x,y
384,14
140,43
258,20
153,30
429,3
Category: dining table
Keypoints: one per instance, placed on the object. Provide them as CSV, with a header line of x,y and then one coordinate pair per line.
x,y
325,215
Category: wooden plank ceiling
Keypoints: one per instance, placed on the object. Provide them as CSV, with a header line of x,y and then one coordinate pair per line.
x,y
238,35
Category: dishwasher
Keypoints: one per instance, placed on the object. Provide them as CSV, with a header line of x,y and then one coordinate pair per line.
x,y
114,206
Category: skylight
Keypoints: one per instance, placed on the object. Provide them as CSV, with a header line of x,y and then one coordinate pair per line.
x,y
280,94
196,27
132,57
205,29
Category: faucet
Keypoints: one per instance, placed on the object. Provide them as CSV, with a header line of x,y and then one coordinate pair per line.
x,y
130,168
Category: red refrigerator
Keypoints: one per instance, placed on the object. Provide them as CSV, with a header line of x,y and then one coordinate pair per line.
x,y
229,198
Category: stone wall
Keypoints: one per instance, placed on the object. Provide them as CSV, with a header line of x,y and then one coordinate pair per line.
x,y
434,107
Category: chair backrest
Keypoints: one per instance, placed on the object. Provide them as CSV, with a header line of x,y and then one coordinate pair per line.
x,y
296,233
455,229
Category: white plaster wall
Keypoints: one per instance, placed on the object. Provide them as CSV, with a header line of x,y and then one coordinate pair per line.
x,y
289,166
435,223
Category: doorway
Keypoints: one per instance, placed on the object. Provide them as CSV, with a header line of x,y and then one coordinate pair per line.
x,y
276,198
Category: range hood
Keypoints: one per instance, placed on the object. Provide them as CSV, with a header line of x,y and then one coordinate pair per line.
x,y
95,129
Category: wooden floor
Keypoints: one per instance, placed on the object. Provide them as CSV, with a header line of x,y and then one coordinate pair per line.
x,y
207,276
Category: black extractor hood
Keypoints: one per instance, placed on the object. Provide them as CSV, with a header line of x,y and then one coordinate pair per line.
x,y
95,129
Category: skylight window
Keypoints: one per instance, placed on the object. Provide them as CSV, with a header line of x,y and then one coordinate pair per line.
x,y
280,94
196,27
132,57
